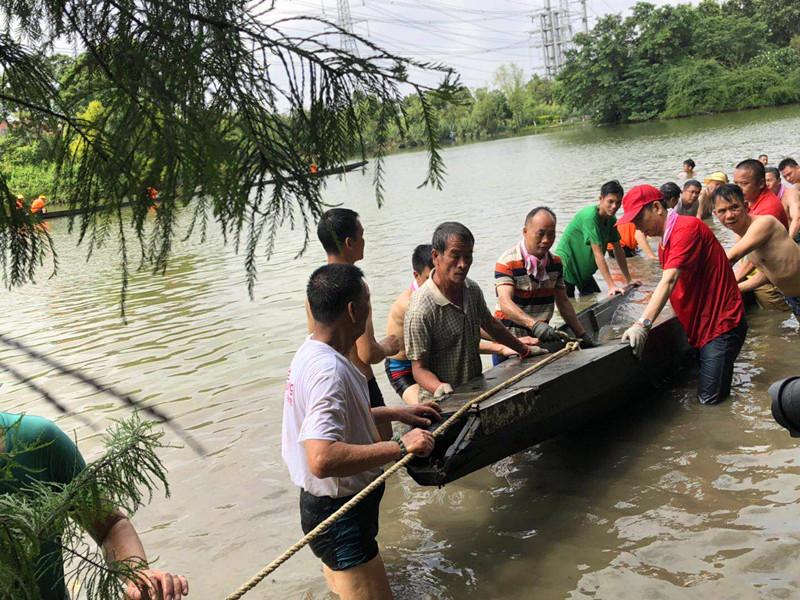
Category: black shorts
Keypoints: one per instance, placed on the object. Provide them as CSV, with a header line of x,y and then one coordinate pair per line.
x,y
350,541
375,395
400,383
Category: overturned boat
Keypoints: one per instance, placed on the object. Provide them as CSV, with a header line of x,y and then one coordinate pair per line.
x,y
563,395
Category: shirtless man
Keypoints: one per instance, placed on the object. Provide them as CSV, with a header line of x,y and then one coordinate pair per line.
x,y
789,197
398,367
342,236
765,240
790,171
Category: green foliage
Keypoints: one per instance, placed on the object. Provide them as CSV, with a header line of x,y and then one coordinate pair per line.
x,y
125,478
682,60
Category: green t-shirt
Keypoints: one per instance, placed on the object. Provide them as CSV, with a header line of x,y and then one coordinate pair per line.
x,y
58,461
575,250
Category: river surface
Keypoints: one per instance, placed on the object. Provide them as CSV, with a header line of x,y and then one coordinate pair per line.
x,y
666,499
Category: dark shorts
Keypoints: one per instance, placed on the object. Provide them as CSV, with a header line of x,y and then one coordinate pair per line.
x,y
716,364
399,374
794,304
375,395
350,541
589,287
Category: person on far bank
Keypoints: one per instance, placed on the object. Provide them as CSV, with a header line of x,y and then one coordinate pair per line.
x,y
442,328
342,236
583,245
765,240
330,441
790,199
790,171
529,284
763,159
698,281
750,176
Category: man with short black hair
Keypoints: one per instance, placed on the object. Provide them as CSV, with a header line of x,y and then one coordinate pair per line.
x,y
330,442
789,197
443,323
690,195
583,245
687,169
670,194
763,159
342,236
699,283
529,283
790,171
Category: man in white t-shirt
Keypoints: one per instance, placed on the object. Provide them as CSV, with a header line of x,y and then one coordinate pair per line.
x,y
330,439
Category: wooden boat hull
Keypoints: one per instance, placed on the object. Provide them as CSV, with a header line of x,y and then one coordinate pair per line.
x,y
562,396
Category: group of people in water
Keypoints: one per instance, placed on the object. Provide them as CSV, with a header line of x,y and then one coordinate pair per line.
x,y
336,427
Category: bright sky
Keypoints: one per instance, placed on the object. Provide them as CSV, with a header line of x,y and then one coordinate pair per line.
x,y
473,36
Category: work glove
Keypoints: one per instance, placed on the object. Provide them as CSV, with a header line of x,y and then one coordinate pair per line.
x,y
587,341
444,389
545,332
636,336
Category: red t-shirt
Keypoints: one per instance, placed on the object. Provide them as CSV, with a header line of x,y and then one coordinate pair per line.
x,y
769,204
706,298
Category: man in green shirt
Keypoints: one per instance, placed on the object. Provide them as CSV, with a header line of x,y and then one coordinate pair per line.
x,y
584,241
42,452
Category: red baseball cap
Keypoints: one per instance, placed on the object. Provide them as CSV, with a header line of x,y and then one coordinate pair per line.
x,y
636,199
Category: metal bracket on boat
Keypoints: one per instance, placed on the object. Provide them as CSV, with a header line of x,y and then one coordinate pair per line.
x,y
464,437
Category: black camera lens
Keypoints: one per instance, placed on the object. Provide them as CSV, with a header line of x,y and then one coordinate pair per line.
x,y
785,396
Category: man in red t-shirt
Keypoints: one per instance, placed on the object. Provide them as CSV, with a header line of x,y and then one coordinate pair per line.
x,y
699,283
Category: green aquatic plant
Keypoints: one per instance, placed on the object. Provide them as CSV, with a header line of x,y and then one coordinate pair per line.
x,y
124,478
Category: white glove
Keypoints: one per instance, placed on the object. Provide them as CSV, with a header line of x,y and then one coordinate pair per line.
x,y
444,389
636,336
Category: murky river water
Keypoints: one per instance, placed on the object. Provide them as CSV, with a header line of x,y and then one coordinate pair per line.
x,y
666,499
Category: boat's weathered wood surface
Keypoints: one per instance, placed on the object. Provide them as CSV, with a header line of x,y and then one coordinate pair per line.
x,y
562,396
62,214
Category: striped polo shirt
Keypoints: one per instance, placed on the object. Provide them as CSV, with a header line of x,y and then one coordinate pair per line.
x,y
536,298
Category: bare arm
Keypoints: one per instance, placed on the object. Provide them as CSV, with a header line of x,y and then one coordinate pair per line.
x,y
371,351
661,294
505,297
755,237
600,260
641,239
754,282
793,210
622,261
743,270
327,458
426,378
120,542
500,334
567,312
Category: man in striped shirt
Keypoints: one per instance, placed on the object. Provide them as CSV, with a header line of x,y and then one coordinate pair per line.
x,y
529,283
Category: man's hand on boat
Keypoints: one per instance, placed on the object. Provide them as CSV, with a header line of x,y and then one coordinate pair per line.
x,y
636,336
587,341
419,415
545,332
418,442
616,290
444,389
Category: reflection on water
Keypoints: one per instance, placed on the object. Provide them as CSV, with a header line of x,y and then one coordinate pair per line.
x,y
665,499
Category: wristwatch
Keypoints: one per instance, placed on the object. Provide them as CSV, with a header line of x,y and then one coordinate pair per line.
x,y
399,441
646,323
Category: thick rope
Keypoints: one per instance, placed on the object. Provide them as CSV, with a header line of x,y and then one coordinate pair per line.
x,y
314,533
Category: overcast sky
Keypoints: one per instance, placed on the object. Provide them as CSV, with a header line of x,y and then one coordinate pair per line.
x,y
473,36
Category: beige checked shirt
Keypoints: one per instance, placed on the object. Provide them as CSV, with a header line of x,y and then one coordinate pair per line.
x,y
446,337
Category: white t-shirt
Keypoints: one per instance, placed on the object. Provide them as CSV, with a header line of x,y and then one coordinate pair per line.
x,y
326,398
